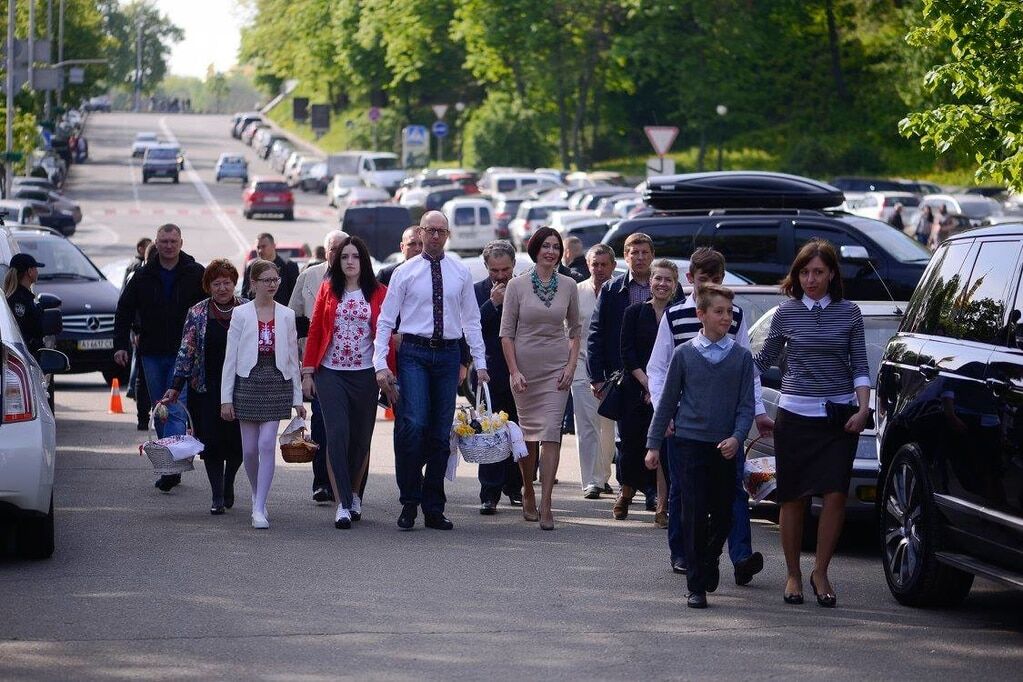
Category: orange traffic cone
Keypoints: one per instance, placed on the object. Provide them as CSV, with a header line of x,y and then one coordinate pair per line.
x,y
389,414
115,397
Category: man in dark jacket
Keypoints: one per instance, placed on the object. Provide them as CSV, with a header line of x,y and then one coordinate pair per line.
x,y
159,294
266,248
411,246
499,257
573,263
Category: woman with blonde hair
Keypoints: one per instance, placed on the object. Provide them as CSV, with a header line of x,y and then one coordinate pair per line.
x,y
261,380
23,273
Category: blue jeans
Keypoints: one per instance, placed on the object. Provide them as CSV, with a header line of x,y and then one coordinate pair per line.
x,y
740,539
319,435
159,373
428,379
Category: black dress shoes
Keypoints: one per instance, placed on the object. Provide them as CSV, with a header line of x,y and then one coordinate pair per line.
x,y
748,567
228,499
217,509
437,522
321,495
165,483
608,490
678,566
515,499
407,519
697,600
488,508
713,577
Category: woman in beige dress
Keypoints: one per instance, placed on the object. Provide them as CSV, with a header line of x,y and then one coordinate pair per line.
x,y
540,340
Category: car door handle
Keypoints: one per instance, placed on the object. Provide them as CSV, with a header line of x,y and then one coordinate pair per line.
x,y
996,385
928,372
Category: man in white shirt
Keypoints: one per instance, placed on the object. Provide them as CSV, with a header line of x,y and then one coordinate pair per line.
x,y
436,303
303,299
595,434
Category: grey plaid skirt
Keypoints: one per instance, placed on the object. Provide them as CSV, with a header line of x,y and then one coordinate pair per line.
x,y
265,395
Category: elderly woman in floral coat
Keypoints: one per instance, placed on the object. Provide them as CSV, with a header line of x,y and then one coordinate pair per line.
x,y
200,362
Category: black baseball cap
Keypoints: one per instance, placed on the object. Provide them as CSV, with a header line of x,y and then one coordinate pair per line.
x,y
25,261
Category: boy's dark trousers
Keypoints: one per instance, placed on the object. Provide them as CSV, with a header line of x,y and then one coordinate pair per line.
x,y
707,482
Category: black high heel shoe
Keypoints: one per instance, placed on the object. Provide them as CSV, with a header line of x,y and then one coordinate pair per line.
x,y
794,598
828,601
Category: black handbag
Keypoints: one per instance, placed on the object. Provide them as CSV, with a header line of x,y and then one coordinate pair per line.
x,y
612,404
839,413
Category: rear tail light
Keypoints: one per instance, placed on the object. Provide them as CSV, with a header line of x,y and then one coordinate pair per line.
x,y
18,403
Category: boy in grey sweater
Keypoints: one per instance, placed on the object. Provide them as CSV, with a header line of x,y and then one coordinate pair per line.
x,y
709,392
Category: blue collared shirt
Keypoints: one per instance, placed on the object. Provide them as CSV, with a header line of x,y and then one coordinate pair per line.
x,y
713,351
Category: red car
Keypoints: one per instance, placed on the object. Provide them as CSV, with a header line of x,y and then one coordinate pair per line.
x,y
268,194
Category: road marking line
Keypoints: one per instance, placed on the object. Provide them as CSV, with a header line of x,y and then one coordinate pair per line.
x,y
204,192
112,234
134,183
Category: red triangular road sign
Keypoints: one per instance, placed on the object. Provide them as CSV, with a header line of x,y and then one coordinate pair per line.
x,y
661,137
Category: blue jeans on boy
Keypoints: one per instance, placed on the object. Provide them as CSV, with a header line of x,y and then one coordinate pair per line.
x,y
159,373
740,539
427,385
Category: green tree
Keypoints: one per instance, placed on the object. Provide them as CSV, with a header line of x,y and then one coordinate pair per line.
x,y
980,109
503,132
121,24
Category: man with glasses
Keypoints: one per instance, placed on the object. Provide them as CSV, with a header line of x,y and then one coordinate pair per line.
x,y
303,300
434,297
411,246
160,294
266,248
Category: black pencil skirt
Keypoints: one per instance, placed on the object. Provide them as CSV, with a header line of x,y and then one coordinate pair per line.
x,y
812,457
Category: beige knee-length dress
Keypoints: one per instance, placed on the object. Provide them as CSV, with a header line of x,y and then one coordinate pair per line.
x,y
541,337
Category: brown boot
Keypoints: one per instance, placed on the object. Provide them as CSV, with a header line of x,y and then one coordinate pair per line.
x,y
621,508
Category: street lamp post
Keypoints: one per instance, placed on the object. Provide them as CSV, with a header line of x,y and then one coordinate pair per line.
x,y
722,112
460,107
9,117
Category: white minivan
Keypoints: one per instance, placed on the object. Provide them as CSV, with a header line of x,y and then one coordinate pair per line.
x,y
375,169
472,224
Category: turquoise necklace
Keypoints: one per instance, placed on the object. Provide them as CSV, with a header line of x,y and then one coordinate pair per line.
x,y
545,292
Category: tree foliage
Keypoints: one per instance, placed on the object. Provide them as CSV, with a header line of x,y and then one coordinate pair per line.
x,y
979,107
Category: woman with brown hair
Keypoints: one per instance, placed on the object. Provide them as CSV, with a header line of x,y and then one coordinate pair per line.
x,y
540,339
826,373
200,363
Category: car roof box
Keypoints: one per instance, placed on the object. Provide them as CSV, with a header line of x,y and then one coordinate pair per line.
x,y
739,189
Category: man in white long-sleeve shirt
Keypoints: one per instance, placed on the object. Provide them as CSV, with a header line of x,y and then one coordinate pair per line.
x,y
678,325
434,298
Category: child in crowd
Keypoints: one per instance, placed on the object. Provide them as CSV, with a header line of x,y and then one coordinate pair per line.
x,y
709,393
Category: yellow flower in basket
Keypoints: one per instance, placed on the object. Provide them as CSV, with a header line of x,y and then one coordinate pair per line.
x,y
461,417
464,430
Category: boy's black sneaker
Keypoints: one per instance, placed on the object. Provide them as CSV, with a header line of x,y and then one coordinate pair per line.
x,y
323,495
697,600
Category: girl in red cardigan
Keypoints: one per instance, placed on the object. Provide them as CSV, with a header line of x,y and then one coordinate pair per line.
x,y
338,368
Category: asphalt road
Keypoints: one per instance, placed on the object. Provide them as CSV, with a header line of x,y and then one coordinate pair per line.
x,y
147,585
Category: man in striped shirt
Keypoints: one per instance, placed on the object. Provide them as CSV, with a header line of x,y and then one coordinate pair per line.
x,y
678,325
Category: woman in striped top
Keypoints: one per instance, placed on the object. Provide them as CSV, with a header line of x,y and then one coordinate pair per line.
x,y
825,361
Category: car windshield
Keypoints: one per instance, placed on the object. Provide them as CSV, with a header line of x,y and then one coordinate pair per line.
x,y
271,187
61,259
384,163
10,213
908,200
232,161
145,137
163,154
901,247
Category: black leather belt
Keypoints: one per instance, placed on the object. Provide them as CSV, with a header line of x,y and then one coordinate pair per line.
x,y
429,343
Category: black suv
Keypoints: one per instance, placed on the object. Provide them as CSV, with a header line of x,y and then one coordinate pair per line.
x,y
756,221
950,424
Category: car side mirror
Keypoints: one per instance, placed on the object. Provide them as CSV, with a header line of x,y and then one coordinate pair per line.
x,y
854,254
771,378
53,361
53,322
48,301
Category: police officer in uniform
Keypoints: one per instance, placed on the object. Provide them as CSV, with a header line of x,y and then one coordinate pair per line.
x,y
22,301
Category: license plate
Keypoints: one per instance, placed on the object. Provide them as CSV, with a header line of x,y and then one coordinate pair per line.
x,y
95,344
271,198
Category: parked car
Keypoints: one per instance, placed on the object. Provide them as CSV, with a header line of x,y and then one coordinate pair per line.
x,y
266,143
861,184
13,211
471,221
514,182
268,194
100,103
315,179
240,120
232,166
161,161
531,215
250,130
980,210
880,323
143,141
761,243
339,187
375,169
89,301
29,433
950,431
590,231
588,199
881,206
506,206
279,153
28,181
363,196
302,171
58,201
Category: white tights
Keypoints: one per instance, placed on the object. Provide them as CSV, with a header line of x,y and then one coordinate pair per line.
x,y
259,448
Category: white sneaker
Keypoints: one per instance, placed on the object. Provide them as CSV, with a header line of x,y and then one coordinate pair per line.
x,y
343,518
356,508
259,520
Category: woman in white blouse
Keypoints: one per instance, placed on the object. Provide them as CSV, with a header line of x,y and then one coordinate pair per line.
x,y
338,369
260,381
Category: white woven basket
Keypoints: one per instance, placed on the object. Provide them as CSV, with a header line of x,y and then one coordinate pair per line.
x,y
485,448
163,461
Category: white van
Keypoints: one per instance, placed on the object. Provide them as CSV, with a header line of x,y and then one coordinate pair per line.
x,y
471,222
374,169
503,183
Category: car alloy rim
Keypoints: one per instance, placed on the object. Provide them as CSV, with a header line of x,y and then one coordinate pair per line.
x,y
902,545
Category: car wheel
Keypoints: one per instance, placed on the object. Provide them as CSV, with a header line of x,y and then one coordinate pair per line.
x,y
35,536
218,179
248,215
910,534
176,179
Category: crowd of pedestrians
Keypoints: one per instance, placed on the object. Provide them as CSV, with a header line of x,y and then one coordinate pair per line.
x,y
678,365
